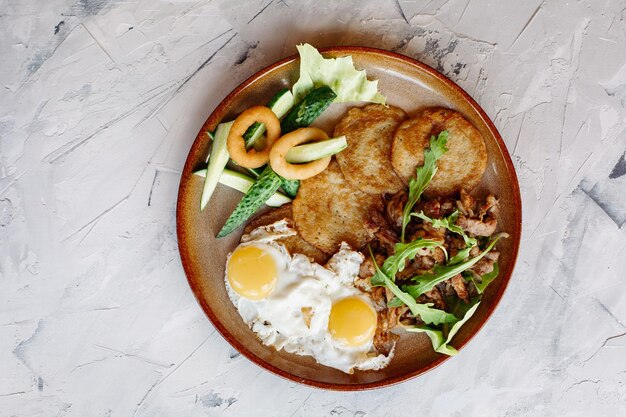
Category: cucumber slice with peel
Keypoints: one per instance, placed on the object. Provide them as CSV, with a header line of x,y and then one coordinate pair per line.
x,y
263,188
217,162
306,111
241,182
280,104
314,151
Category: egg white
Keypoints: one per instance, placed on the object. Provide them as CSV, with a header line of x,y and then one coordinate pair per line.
x,y
278,320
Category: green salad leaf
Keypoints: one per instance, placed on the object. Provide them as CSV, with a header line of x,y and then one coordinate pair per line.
x,y
484,280
436,336
397,261
425,312
440,273
460,256
339,74
448,223
424,174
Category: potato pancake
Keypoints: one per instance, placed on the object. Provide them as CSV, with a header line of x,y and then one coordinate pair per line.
x,y
366,163
294,244
328,211
461,167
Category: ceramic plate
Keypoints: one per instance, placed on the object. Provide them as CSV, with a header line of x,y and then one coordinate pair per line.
x,y
408,84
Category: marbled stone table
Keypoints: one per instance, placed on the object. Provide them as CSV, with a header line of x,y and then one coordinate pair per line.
x,y
100,102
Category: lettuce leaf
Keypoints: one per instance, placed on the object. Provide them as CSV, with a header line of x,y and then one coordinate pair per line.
x,y
424,174
338,73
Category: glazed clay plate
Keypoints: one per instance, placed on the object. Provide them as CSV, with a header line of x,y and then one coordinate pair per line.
x,y
407,84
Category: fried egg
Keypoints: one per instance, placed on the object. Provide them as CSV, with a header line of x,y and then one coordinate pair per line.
x,y
300,306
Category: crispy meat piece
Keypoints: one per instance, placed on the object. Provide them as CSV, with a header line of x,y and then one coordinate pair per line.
x,y
394,207
384,340
466,203
433,296
367,269
439,256
490,205
458,283
377,227
477,227
379,297
431,208
485,265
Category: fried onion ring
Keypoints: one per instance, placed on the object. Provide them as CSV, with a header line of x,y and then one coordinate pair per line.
x,y
278,154
237,145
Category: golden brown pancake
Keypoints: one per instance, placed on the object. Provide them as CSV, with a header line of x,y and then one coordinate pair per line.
x,y
328,211
366,162
293,244
461,167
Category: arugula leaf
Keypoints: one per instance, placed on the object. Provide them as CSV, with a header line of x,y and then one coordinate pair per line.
x,y
395,302
485,279
403,251
440,273
339,74
448,223
460,256
423,175
436,336
428,314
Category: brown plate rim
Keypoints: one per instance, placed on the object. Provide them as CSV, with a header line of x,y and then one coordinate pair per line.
x,y
185,256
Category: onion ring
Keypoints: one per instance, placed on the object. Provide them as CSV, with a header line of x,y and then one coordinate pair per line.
x,y
279,151
237,145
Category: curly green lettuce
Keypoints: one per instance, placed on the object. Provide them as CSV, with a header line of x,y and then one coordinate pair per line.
x,y
339,74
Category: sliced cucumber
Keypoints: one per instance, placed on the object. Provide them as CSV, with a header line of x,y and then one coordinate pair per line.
x,y
314,151
264,187
211,136
306,111
290,187
243,183
280,104
217,162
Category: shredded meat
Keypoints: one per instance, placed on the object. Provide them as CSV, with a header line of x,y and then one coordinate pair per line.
x,y
431,208
489,206
477,227
379,297
384,340
367,269
394,208
377,227
433,296
485,265
466,204
458,283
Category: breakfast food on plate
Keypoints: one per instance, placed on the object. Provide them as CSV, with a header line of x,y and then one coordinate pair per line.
x,y
461,167
382,238
328,211
293,243
365,163
300,306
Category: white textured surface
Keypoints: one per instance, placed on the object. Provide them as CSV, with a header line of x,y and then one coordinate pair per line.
x,y
100,103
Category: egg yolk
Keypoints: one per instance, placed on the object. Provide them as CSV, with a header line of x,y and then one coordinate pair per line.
x,y
252,272
352,321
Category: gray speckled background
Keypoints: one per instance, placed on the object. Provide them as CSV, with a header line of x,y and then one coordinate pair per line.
x,y
100,102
